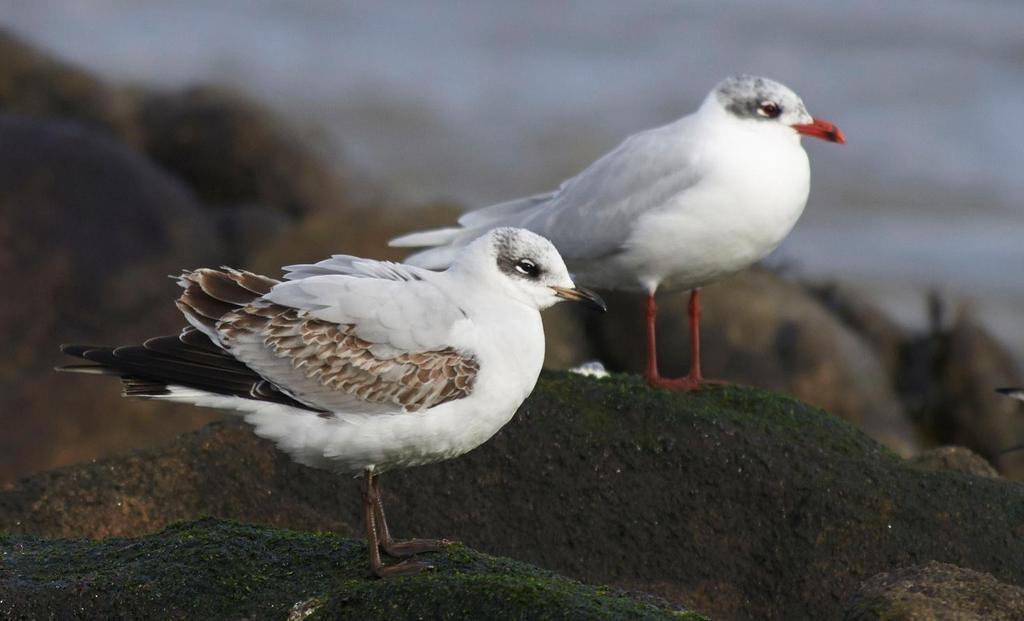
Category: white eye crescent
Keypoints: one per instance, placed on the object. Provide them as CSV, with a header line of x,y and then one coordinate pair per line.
x,y
527,267
769,109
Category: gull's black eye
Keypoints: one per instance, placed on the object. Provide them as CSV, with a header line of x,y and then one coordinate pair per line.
x,y
527,267
769,109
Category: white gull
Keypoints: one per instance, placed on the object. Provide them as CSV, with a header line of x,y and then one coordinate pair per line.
x,y
676,206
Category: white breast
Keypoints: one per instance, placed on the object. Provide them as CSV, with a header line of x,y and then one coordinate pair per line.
x,y
747,200
510,354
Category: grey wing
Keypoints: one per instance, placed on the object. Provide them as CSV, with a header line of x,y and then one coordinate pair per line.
x,y
348,265
590,215
339,343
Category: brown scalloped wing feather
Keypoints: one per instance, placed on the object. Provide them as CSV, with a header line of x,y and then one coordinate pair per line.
x,y
332,355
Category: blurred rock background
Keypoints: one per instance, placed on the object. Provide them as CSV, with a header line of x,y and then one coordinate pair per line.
x,y
106,187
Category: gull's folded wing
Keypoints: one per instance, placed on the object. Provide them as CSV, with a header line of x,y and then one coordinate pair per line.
x,y
592,214
365,337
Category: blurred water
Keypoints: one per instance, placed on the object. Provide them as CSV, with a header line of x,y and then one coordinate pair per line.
x,y
483,101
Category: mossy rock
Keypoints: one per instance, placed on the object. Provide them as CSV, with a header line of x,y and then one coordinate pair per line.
x,y
212,569
734,502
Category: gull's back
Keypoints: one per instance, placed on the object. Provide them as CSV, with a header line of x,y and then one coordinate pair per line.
x,y
590,216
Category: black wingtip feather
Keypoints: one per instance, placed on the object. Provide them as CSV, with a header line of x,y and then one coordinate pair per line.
x,y
134,387
77,350
189,359
194,338
101,355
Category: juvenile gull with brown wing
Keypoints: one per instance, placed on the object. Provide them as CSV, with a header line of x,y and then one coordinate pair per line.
x,y
361,366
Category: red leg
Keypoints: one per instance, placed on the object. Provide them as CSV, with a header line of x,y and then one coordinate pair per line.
x,y
694,312
694,379
651,374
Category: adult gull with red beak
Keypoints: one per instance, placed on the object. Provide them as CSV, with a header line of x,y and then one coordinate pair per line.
x,y
677,206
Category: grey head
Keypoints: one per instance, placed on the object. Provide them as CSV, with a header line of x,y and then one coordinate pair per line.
x,y
761,99
753,98
529,268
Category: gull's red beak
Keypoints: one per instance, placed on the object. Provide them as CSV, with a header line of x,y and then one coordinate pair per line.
x,y
821,129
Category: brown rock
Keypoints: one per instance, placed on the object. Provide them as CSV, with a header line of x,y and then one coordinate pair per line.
x,y
957,459
233,152
936,592
33,83
874,326
568,344
222,470
88,229
361,231
970,412
230,151
761,330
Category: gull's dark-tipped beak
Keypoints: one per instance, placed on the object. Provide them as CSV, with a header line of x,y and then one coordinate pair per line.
x,y
579,294
820,128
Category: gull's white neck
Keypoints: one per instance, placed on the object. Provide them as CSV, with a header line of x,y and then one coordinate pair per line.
x,y
713,122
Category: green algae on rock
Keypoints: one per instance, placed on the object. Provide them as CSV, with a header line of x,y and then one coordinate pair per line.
x,y
214,569
735,502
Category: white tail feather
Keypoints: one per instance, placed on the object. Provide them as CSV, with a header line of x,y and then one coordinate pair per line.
x,y
230,403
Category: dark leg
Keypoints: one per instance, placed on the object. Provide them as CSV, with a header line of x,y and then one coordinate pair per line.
x,y
405,568
387,543
694,379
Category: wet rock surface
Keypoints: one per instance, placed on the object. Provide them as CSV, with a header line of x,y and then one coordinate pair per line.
x,y
212,569
734,502
936,592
